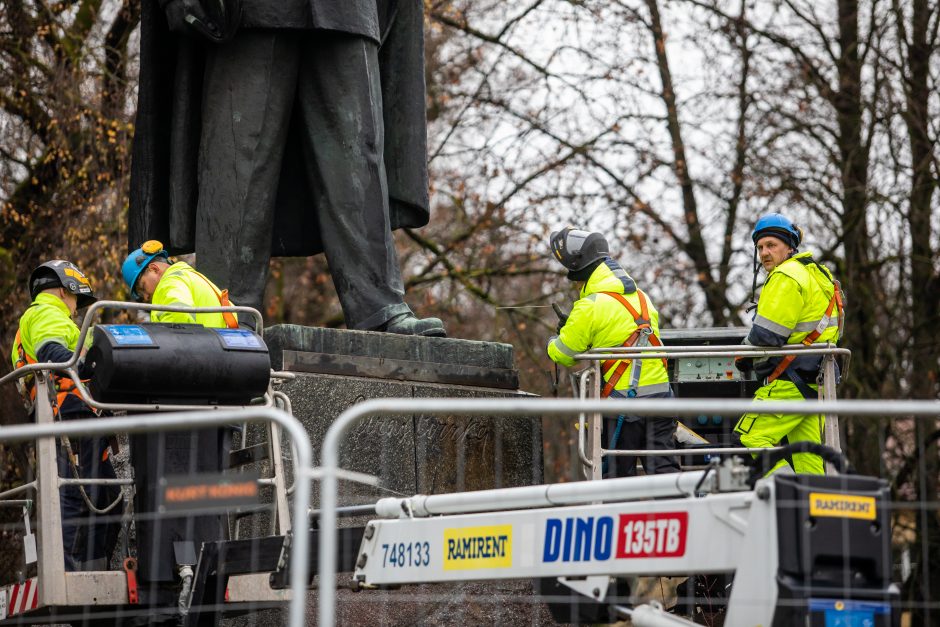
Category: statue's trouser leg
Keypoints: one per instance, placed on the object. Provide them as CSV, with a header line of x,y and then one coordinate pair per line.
x,y
249,91
340,103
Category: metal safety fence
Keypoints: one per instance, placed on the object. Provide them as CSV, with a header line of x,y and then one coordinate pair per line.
x,y
60,589
492,502
496,500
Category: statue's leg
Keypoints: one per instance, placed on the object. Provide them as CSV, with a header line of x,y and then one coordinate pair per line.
x,y
249,91
341,105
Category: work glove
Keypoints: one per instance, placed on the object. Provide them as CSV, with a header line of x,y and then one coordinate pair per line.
x,y
744,364
562,316
85,368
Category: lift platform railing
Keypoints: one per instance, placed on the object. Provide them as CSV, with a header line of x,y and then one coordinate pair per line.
x,y
70,367
329,472
280,522
588,385
54,583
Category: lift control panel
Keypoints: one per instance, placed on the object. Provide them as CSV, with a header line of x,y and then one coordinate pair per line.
x,y
707,369
704,369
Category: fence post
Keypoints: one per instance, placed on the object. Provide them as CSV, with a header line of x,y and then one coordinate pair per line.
x,y
831,431
596,424
51,553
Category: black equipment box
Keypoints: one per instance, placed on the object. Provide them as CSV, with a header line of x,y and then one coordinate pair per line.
x,y
177,364
834,547
709,377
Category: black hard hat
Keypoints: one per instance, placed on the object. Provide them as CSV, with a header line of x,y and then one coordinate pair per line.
x,y
65,274
577,249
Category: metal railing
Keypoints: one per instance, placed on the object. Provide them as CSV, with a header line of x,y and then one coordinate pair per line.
x,y
329,472
52,583
48,482
271,398
592,456
70,367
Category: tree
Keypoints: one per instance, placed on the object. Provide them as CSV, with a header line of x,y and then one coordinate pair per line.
x,y
66,77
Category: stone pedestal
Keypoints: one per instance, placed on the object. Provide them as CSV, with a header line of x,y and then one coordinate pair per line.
x,y
416,453
337,369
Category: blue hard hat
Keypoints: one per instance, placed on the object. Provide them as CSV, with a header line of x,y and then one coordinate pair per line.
x,y
137,262
778,226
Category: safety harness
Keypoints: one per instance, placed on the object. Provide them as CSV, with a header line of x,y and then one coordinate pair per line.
x,y
835,304
642,336
27,385
64,387
230,320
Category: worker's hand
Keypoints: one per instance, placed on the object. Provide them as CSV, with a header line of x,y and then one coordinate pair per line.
x,y
744,364
85,369
562,316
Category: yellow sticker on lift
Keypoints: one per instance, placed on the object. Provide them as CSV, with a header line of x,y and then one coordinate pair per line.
x,y
471,548
842,505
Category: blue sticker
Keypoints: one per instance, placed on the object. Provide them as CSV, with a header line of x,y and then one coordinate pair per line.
x,y
128,334
849,613
239,338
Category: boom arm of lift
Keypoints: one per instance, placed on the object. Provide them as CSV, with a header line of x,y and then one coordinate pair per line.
x,y
705,522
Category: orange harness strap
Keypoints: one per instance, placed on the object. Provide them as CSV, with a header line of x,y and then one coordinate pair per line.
x,y
642,320
230,320
27,385
836,300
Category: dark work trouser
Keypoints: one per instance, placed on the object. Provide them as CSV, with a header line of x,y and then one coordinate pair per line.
x,y
87,536
329,84
639,433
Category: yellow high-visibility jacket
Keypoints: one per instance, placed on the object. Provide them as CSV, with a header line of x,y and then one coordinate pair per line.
x,y
792,303
601,321
182,285
48,320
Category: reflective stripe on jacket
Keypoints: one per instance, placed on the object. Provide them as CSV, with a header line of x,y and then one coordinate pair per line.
x,y
600,321
794,299
182,285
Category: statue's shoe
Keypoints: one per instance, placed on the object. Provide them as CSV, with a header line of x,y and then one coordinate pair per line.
x,y
408,324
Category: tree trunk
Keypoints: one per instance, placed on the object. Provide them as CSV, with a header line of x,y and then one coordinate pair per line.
x,y
925,300
857,275
715,298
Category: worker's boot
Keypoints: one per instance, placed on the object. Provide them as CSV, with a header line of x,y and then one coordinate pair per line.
x,y
408,324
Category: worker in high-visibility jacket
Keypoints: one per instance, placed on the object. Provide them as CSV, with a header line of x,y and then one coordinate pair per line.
x,y
46,333
800,303
610,312
152,279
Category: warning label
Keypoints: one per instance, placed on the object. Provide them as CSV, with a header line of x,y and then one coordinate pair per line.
x,y
208,491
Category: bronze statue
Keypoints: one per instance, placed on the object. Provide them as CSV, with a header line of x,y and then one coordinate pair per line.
x,y
285,128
